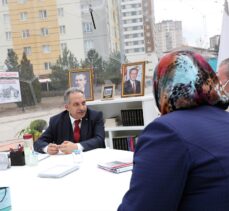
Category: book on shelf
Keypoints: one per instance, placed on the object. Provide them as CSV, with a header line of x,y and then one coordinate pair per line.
x,y
111,122
116,166
132,117
127,143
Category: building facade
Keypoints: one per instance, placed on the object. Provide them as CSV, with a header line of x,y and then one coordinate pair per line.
x,y
103,34
214,42
5,33
34,30
168,36
137,30
42,29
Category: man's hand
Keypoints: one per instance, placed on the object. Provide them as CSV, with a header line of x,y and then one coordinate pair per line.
x,y
67,147
52,149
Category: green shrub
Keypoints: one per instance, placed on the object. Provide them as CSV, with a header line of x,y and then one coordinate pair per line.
x,y
38,124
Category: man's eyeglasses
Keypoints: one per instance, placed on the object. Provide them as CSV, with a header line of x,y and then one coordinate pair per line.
x,y
225,91
223,86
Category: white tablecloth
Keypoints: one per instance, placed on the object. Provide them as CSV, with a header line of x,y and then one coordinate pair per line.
x,y
88,188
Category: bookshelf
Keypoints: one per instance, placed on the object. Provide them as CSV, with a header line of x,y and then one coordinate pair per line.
x,y
112,108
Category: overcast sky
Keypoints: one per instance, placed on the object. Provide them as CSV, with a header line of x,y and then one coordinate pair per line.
x,y
201,19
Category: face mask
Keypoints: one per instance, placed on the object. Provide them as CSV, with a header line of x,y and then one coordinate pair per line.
x,y
223,86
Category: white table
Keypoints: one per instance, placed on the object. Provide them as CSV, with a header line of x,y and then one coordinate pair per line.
x,y
88,188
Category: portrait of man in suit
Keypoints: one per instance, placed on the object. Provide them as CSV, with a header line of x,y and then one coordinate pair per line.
x,y
81,83
132,85
82,79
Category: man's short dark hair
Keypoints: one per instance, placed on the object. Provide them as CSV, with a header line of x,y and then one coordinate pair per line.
x,y
70,91
83,74
132,69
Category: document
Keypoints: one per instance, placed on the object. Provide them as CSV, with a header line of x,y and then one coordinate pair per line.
x,y
58,171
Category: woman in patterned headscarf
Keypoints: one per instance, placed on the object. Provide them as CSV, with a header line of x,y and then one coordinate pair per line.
x,y
183,80
181,162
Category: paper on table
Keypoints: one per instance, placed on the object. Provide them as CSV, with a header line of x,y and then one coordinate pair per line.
x,y
58,171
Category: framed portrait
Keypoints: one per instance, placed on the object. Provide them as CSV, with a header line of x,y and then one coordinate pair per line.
x,y
83,80
108,92
133,79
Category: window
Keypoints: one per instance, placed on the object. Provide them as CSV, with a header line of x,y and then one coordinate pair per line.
x,y
87,27
25,33
23,16
8,36
44,32
10,50
89,44
6,18
148,34
4,2
22,1
63,46
27,50
61,12
47,65
62,29
43,14
46,48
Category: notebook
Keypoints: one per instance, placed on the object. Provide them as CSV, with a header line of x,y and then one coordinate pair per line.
x,y
42,156
116,166
58,171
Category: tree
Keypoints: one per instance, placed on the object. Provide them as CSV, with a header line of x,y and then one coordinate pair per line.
x,y
26,68
59,75
30,86
95,61
12,61
113,68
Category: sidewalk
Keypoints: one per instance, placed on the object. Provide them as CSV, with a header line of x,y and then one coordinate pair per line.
x,y
13,119
45,104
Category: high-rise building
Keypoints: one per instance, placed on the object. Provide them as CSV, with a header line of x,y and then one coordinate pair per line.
x,y
137,30
214,42
102,34
34,29
168,35
42,29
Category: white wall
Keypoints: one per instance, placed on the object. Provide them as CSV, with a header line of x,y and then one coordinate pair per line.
x,y
73,22
4,44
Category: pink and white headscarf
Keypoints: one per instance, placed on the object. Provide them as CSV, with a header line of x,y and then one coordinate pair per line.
x,y
184,79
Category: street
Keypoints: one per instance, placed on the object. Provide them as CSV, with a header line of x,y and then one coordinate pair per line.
x,y
12,125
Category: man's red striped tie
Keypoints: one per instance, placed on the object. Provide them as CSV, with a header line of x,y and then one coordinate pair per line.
x,y
77,131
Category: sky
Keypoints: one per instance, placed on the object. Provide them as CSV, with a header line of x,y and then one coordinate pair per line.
x,y
201,19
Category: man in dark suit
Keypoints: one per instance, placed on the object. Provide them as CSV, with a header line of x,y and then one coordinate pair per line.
x,y
59,136
132,86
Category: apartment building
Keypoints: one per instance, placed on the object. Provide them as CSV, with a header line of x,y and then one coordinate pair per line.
x,y
214,42
102,34
42,29
34,30
168,35
137,29
5,33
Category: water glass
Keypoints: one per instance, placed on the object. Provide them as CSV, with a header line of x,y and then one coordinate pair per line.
x,y
77,156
